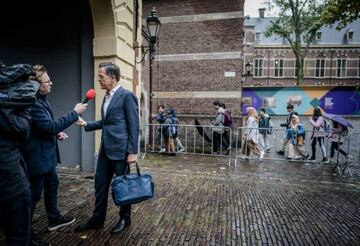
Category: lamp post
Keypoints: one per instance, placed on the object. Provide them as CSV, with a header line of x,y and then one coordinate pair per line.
x,y
248,70
151,33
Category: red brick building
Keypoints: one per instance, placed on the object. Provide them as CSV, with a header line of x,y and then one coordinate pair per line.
x,y
198,55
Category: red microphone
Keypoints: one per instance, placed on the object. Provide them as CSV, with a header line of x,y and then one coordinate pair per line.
x,y
89,95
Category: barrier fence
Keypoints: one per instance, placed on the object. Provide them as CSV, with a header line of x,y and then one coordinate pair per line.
x,y
224,142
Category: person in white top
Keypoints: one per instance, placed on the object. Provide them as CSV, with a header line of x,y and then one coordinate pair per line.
x,y
251,134
318,134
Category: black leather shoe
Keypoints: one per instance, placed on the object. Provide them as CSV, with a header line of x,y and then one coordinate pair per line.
x,y
88,226
121,225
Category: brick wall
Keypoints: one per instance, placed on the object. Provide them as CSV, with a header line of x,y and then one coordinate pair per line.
x,y
216,35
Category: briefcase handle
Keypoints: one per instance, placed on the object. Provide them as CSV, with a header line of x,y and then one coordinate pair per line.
x,y
127,171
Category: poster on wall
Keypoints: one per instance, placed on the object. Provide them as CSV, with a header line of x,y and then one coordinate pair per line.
x,y
294,100
269,102
246,101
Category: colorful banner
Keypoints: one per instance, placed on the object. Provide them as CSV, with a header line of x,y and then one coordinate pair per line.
x,y
334,100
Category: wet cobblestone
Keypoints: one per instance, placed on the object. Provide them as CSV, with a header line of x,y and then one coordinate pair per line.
x,y
204,201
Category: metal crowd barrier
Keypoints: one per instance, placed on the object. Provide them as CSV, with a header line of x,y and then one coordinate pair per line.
x,y
352,147
201,140
277,137
191,139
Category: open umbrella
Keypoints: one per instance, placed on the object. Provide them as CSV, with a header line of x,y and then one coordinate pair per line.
x,y
201,131
339,120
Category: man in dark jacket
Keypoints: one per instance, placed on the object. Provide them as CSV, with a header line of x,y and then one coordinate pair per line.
x,y
119,144
41,152
15,198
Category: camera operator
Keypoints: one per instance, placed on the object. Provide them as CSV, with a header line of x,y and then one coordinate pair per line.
x,y
15,197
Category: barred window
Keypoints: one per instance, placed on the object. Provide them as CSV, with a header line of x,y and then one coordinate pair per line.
x,y
279,67
258,68
320,68
341,68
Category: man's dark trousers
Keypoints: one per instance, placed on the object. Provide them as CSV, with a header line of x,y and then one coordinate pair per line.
x,y
105,171
15,214
49,182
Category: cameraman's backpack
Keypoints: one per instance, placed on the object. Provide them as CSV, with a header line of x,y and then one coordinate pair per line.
x,y
16,90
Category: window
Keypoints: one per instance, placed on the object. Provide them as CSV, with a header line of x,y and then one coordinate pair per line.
x,y
350,35
258,68
279,67
320,68
341,68
318,35
359,67
257,36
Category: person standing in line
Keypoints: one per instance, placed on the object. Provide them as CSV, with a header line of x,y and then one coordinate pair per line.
x,y
290,109
160,118
228,123
264,130
119,144
338,134
296,136
318,134
218,128
41,152
179,146
251,134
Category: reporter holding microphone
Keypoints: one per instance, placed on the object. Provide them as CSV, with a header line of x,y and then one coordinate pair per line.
x,y
41,153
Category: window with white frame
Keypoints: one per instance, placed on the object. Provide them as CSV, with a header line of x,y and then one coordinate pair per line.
x,y
320,68
279,67
341,68
318,35
257,36
258,68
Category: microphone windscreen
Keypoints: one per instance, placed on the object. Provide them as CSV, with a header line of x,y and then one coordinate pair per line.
x,y
90,94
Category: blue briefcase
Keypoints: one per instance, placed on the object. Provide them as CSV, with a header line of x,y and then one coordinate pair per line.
x,y
132,188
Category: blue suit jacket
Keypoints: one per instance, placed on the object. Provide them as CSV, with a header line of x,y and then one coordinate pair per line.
x,y
120,126
40,150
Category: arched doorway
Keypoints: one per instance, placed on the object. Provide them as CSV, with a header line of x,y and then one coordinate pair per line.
x,y
60,38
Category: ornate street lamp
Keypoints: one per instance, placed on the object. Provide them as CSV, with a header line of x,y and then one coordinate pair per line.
x,y
151,33
248,68
153,26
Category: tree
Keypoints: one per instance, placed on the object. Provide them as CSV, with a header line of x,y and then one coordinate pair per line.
x,y
295,24
343,11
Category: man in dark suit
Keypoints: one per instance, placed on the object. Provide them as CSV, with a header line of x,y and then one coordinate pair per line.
x,y
41,152
119,144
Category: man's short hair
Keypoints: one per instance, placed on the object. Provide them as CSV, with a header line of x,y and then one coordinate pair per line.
x,y
111,69
39,70
217,103
290,106
262,110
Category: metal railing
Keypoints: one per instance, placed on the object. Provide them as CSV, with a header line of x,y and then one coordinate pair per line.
x,y
189,139
224,142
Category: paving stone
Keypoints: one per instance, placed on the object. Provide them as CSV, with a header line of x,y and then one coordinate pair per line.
x,y
254,203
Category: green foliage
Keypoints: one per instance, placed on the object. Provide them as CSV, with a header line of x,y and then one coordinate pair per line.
x,y
296,24
344,11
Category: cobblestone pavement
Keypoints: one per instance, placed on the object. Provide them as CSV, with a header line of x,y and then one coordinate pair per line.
x,y
204,201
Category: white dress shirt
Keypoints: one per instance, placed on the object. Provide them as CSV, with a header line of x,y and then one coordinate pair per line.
x,y
108,98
